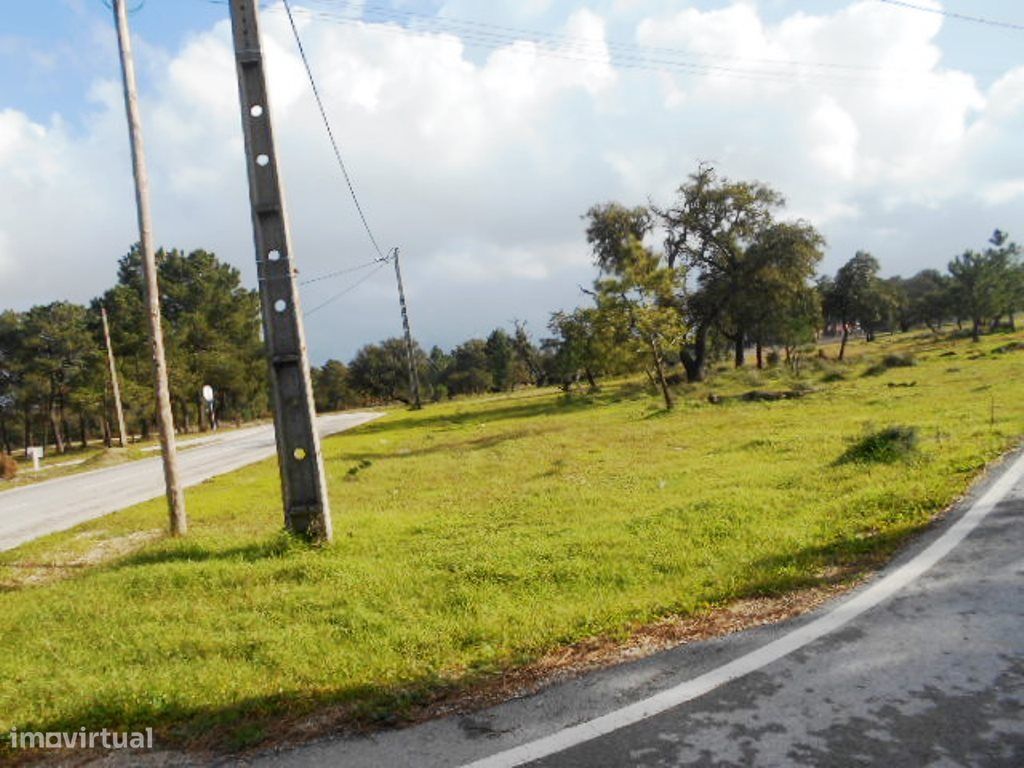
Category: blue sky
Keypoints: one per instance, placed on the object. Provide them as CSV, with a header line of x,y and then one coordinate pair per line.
x,y
478,162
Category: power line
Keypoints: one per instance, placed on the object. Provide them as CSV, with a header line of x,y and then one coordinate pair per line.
x,y
584,51
338,272
380,265
330,132
952,15
476,34
449,23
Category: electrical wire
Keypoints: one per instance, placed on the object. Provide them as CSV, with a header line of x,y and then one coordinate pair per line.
x,y
583,51
349,289
475,34
330,132
110,6
448,23
952,15
336,273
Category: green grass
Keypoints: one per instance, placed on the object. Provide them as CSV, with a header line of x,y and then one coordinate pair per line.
x,y
476,536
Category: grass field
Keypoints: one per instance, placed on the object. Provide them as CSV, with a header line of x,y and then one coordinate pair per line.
x,y
476,536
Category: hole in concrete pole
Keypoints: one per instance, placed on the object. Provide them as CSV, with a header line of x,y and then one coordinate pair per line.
x,y
274,255
280,305
262,159
256,110
299,454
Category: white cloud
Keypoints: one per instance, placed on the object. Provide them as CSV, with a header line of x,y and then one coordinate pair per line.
x,y
479,166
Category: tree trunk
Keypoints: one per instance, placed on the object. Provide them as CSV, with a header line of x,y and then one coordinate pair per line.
x,y
738,357
54,420
590,378
695,362
760,356
842,344
976,329
83,428
108,439
5,443
28,427
660,369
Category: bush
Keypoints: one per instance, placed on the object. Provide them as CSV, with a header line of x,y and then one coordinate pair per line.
x,y
8,467
891,361
883,447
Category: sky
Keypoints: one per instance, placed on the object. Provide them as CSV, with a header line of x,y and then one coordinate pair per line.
x,y
478,134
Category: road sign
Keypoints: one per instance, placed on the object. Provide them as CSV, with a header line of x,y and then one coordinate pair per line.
x,y
207,393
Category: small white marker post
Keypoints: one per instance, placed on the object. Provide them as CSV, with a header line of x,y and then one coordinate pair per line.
x,y
35,452
208,397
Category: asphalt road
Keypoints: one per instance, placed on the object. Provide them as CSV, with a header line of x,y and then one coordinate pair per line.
x,y
55,505
922,666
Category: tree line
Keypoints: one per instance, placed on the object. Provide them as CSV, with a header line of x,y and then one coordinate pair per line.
x,y
716,273
54,382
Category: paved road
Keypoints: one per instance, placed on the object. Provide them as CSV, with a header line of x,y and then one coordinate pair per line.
x,y
923,666
55,505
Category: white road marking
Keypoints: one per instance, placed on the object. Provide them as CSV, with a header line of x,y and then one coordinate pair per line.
x,y
842,614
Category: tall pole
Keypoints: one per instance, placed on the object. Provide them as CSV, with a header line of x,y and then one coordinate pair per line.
x,y
414,377
306,506
165,417
113,380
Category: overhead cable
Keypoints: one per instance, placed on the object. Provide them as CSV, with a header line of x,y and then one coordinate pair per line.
x,y
380,265
952,15
330,133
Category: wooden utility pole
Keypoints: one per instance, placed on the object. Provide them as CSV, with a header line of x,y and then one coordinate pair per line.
x,y
306,507
122,434
414,377
165,417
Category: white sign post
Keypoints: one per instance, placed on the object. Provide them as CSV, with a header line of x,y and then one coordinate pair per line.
x,y
35,452
208,397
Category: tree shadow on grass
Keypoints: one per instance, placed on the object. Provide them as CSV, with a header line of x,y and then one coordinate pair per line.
x,y
265,720
461,446
280,545
256,721
480,413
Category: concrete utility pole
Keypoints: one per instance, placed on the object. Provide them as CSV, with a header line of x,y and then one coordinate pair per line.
x,y
165,417
122,434
306,507
414,377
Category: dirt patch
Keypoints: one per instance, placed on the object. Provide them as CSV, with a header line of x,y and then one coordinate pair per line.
x,y
31,573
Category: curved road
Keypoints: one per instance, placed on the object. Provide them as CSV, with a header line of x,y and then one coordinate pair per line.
x,y
55,505
922,666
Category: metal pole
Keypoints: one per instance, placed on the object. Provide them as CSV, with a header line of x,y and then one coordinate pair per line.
x,y
306,506
122,433
414,377
165,417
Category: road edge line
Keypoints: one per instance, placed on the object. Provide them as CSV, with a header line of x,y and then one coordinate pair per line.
x,y
874,594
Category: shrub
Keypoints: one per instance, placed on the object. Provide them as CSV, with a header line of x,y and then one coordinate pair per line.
x,y
891,361
8,467
882,447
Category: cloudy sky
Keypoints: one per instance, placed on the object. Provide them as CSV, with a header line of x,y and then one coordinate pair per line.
x,y
478,133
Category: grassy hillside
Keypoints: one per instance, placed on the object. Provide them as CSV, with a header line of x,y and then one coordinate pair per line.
x,y
476,536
